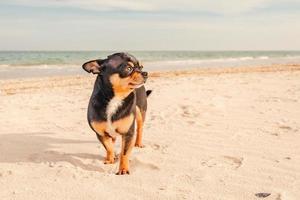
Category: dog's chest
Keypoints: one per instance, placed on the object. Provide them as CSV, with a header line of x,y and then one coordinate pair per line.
x,y
119,125
111,109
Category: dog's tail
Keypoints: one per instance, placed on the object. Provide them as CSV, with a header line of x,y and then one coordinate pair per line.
x,y
148,92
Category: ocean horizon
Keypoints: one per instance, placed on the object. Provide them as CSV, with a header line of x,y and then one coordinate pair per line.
x,y
22,64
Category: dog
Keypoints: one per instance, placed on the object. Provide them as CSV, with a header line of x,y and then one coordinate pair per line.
x,y
118,100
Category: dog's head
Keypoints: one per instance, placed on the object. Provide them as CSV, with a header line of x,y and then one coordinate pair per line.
x,y
123,70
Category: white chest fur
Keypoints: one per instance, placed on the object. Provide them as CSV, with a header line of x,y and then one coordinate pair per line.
x,y
112,108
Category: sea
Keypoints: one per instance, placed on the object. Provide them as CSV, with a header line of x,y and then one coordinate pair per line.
x,y
27,64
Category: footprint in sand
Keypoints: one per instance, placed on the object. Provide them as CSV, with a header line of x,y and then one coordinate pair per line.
x,y
191,122
285,127
188,111
155,117
136,163
233,162
162,148
6,173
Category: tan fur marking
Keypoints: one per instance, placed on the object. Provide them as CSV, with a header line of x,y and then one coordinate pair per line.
x,y
131,64
109,146
120,85
137,77
124,160
123,125
107,141
99,127
139,122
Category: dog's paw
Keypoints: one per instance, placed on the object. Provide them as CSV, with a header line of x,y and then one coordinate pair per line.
x,y
139,145
123,172
109,161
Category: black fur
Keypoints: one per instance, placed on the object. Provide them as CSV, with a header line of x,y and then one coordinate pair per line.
x,y
148,92
103,90
125,72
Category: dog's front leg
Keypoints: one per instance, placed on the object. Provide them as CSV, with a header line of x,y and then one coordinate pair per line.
x,y
127,144
107,142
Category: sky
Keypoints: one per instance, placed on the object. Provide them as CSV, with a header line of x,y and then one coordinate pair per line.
x,y
150,25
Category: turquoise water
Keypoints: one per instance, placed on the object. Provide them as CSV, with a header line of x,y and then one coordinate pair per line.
x,y
76,58
38,63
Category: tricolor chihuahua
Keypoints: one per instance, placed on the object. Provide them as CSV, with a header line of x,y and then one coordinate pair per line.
x,y
118,100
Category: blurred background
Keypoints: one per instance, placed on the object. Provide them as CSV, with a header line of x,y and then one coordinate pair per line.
x,y
55,37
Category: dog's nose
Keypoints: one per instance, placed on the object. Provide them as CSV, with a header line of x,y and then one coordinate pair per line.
x,y
145,74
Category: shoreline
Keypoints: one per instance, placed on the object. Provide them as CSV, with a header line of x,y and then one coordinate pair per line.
x,y
12,86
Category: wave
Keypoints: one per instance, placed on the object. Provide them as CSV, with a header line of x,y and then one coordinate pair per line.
x,y
44,66
153,64
200,61
263,57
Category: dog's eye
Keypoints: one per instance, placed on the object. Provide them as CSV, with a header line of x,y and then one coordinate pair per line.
x,y
129,69
141,67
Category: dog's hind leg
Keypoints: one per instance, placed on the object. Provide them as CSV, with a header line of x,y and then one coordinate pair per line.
x,y
139,129
107,142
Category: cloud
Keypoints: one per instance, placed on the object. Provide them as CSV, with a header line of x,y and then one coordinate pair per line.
x,y
155,25
218,7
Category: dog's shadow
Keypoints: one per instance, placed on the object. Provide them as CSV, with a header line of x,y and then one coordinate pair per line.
x,y
34,148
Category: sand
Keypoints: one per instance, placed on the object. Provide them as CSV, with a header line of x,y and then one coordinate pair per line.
x,y
209,134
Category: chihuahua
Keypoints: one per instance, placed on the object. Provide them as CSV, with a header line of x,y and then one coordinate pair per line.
x,y
119,99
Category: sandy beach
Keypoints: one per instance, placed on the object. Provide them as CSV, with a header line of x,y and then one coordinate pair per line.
x,y
219,133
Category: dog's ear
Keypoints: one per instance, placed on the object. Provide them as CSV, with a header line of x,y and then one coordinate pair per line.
x,y
94,66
